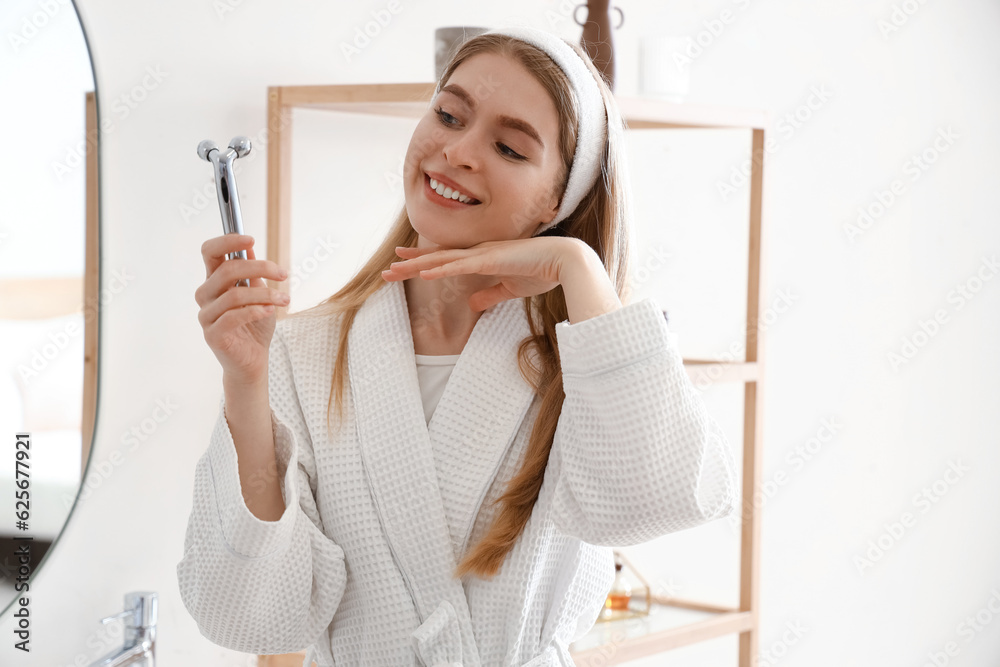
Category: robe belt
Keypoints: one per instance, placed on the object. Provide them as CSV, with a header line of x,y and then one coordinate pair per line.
x,y
323,658
438,642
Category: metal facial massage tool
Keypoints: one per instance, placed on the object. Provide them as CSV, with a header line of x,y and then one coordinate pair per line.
x,y
225,187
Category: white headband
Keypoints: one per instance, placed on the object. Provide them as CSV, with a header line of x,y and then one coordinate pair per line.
x,y
592,133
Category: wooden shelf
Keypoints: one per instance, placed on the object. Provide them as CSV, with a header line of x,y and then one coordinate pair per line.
x,y
671,623
409,100
708,371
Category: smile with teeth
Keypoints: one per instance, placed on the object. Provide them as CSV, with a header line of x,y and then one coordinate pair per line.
x,y
448,193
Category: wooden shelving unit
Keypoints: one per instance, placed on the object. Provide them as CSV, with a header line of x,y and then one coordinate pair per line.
x,y
672,622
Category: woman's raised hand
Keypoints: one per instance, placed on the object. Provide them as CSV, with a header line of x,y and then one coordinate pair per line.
x,y
238,321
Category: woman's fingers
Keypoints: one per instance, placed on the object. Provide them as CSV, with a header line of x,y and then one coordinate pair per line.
x,y
238,320
214,250
230,271
408,252
254,282
489,297
240,298
428,259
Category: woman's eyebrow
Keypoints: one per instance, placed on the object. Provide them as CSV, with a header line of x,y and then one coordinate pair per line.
x,y
504,120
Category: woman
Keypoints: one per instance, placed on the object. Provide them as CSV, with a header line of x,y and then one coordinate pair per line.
x,y
464,519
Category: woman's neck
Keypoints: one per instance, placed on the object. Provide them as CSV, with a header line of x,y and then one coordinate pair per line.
x,y
440,318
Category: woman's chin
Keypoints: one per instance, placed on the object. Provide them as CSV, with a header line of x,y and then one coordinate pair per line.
x,y
440,233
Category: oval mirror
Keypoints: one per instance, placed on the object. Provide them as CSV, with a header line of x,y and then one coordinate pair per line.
x,y
48,276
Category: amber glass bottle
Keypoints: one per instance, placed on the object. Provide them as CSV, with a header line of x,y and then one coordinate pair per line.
x,y
619,595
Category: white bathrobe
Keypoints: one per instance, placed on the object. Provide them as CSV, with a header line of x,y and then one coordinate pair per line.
x,y
358,567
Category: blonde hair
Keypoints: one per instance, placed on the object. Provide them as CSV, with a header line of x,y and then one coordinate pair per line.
x,y
602,221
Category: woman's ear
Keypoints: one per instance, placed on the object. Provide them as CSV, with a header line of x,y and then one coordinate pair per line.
x,y
555,201
550,209
548,215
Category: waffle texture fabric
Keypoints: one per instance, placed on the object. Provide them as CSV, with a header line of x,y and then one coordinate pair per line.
x,y
358,567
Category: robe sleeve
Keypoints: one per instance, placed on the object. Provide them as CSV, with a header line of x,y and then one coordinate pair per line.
x,y
261,586
636,453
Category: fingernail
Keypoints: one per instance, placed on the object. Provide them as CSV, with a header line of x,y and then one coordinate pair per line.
x,y
283,273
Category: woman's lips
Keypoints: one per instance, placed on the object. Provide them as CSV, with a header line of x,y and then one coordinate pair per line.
x,y
442,201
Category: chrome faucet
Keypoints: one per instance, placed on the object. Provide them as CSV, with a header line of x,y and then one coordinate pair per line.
x,y
139,649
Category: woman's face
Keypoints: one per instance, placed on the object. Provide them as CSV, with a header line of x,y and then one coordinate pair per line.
x,y
478,136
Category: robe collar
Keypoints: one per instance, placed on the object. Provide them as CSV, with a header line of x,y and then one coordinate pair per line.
x,y
476,420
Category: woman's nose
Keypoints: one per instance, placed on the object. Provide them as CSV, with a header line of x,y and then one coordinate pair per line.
x,y
463,150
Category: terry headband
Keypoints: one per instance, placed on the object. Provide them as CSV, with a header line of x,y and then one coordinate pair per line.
x,y
592,131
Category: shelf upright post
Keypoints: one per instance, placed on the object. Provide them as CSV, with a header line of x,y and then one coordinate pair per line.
x,y
753,449
279,185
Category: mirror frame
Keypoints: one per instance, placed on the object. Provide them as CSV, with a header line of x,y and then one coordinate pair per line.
x,y
91,279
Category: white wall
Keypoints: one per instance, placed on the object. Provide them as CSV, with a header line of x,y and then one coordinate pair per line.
x,y
852,303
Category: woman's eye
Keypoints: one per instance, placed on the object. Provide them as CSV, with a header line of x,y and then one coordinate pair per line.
x,y
446,119
442,113
510,152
